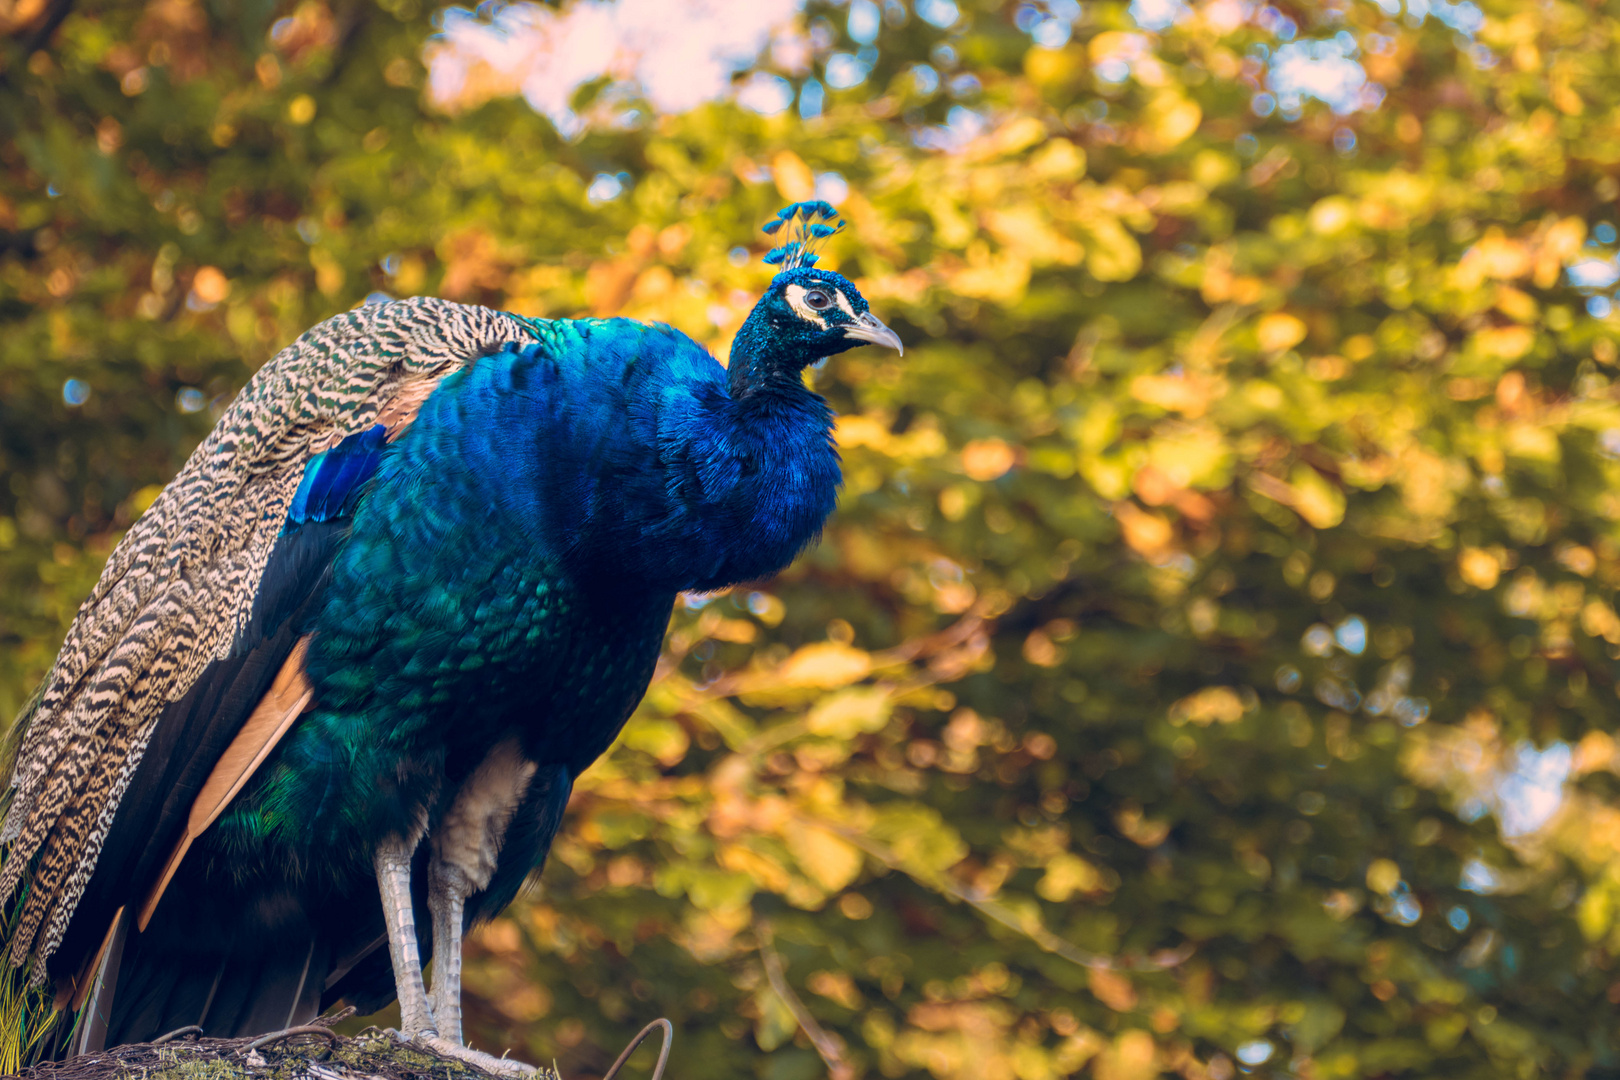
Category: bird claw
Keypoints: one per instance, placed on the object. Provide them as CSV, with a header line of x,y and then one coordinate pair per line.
x,y
477,1058
399,1036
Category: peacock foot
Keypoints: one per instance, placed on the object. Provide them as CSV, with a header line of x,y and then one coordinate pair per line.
x,y
404,1037
488,1062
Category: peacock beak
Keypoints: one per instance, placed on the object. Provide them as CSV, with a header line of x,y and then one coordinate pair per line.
x,y
868,327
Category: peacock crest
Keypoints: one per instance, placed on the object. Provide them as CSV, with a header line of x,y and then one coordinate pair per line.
x,y
809,225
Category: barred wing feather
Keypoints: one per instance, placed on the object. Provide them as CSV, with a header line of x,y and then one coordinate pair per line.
x,y
181,585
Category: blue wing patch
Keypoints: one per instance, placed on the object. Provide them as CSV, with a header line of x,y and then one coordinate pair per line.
x,y
333,479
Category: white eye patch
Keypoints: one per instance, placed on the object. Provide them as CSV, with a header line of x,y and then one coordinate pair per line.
x,y
843,302
795,297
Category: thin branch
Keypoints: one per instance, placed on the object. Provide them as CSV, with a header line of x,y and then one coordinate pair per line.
x,y
40,37
830,1049
953,636
1030,927
54,17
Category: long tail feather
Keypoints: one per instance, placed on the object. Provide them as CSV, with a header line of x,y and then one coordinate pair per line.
x,y
28,1017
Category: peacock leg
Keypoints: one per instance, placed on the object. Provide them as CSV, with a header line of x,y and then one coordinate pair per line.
x,y
393,862
448,889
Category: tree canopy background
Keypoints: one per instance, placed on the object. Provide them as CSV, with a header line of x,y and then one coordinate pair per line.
x,y
1211,665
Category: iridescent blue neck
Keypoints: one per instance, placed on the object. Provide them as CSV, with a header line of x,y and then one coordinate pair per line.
x,y
648,464
758,364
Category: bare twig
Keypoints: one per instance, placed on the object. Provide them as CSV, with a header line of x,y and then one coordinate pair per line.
x,y
55,15
953,636
1029,926
660,1024
828,1046
322,1031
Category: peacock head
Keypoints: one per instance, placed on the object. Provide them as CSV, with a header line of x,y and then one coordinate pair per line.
x,y
809,314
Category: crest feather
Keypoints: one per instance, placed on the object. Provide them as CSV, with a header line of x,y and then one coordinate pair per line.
x,y
809,224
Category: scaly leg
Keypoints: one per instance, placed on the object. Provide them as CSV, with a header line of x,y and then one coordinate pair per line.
x,y
448,889
393,862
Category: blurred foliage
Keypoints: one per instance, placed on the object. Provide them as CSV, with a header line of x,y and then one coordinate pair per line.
x,y
1212,661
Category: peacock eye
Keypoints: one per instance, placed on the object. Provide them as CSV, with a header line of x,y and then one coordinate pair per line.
x,y
818,300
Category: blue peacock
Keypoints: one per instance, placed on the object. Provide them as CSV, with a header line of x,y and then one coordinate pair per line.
x,y
335,686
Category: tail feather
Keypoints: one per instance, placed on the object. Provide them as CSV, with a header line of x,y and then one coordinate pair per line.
x,y
232,972
30,1025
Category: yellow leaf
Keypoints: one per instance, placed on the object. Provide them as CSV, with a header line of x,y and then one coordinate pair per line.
x,y
1315,499
1018,135
766,608
1112,989
328,273
1562,92
1516,305
1207,706
1112,253
987,459
835,986
1029,233
1495,256
775,1023
1191,455
830,861
1130,1058
1143,830
1189,393
1053,67
1382,876
210,286
1595,751
850,712
856,430
664,740
1169,119
1595,913
1145,533
1211,168
1533,442
826,664
1560,243
765,871
1600,620
1066,875
1117,44
922,841
1429,483
1001,277
715,890
1279,330
738,630
143,499
1479,568
793,177
1059,159
1330,216
1041,650
1504,342
1214,703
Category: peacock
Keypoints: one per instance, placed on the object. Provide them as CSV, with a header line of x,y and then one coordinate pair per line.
x,y
336,684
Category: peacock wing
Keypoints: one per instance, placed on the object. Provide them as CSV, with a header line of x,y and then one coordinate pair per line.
x,y
180,588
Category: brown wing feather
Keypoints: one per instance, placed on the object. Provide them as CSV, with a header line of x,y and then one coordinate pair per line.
x,y
180,586
289,695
